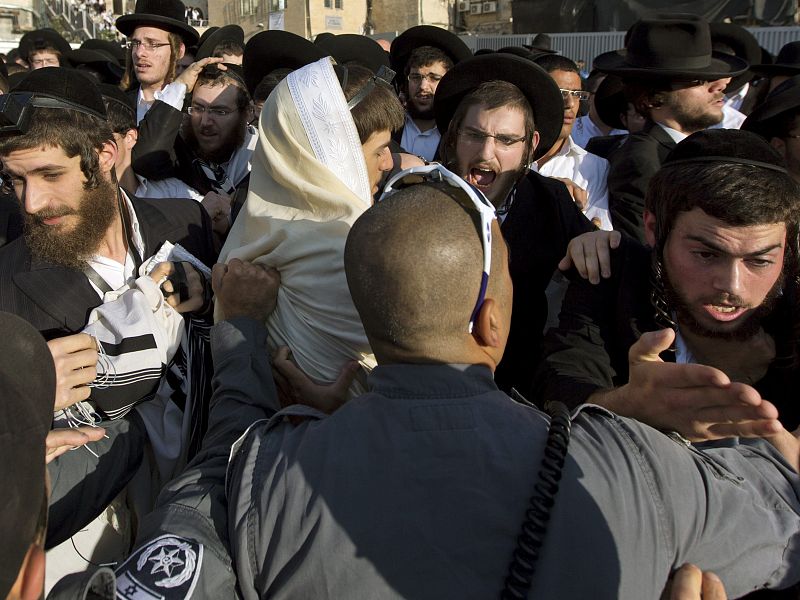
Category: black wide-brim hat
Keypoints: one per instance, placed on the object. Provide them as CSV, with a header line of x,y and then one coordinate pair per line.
x,y
42,38
670,48
786,63
743,43
610,101
27,388
169,15
114,49
71,88
228,33
426,35
785,97
534,82
275,49
104,64
353,48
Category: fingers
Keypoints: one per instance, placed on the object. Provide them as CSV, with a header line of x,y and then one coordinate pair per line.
x,y
288,370
71,343
246,289
687,583
650,345
59,441
75,360
580,196
713,589
590,253
615,237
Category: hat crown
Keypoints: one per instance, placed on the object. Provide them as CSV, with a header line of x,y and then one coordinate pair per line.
x,y
66,85
171,9
670,43
789,54
725,145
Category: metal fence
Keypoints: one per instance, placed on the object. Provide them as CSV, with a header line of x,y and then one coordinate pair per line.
x,y
585,46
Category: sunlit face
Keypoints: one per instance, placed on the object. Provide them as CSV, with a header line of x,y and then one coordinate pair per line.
x,y
491,149
64,221
422,84
568,80
377,157
697,107
151,66
43,58
722,274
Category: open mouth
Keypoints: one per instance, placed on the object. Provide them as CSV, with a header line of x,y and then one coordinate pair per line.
x,y
481,178
724,312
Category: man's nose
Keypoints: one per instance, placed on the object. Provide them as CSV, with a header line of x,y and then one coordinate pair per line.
x,y
729,277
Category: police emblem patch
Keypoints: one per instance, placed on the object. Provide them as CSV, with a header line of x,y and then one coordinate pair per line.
x,y
166,568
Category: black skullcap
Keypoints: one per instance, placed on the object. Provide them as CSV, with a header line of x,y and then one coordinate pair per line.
x,y
71,88
27,388
726,146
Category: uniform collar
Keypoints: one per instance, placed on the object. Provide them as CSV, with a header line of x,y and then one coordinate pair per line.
x,y
431,381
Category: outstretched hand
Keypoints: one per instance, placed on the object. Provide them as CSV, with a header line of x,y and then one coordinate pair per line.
x,y
699,402
590,254
59,441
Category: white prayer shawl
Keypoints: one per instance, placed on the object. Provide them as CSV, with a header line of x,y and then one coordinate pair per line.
x,y
308,185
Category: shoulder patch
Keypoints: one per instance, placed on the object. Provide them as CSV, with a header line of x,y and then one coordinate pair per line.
x,y
166,568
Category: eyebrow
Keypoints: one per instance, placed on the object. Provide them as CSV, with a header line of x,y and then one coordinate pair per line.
x,y
718,249
503,133
216,106
37,170
150,40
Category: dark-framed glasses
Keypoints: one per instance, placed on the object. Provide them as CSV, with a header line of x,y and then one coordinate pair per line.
x,y
579,94
147,45
197,111
469,197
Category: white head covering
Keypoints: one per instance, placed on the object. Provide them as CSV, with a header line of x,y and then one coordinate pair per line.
x,y
308,185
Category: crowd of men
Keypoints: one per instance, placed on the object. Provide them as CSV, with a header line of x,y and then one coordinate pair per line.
x,y
260,342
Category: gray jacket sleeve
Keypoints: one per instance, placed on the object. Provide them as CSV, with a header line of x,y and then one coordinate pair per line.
x,y
183,544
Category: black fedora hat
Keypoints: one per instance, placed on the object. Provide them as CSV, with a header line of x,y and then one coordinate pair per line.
x,y
765,117
354,48
169,15
786,63
228,33
114,49
541,44
670,48
426,35
42,38
742,43
276,49
610,101
104,65
534,82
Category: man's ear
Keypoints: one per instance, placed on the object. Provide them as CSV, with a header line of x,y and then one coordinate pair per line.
x,y
650,228
535,141
779,145
131,137
181,51
107,156
488,328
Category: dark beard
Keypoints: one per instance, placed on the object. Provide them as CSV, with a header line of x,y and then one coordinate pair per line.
x,y
232,141
694,122
96,212
416,113
749,327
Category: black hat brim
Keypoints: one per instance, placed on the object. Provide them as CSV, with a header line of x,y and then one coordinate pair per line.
x,y
426,35
721,66
609,99
232,33
744,45
354,48
534,82
127,24
275,49
115,49
784,98
776,69
28,42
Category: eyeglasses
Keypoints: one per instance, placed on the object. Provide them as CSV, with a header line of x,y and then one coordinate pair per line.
x,y
416,78
477,137
471,199
199,111
579,94
152,46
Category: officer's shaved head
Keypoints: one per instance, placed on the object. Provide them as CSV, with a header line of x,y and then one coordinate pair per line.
x,y
414,263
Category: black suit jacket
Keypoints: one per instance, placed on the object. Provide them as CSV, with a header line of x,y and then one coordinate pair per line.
x,y
57,301
631,167
541,222
598,324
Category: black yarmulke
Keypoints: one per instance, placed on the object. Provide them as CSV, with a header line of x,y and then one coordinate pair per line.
x,y
27,388
66,85
726,146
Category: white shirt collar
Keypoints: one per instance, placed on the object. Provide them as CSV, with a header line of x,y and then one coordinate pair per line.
x,y
677,136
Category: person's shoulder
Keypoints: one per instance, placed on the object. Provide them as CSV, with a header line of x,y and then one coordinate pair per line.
x,y
172,209
14,256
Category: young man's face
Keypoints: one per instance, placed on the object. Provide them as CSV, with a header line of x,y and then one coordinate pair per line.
x,y
43,58
64,221
568,80
723,279
377,156
217,123
151,66
422,84
696,107
492,165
